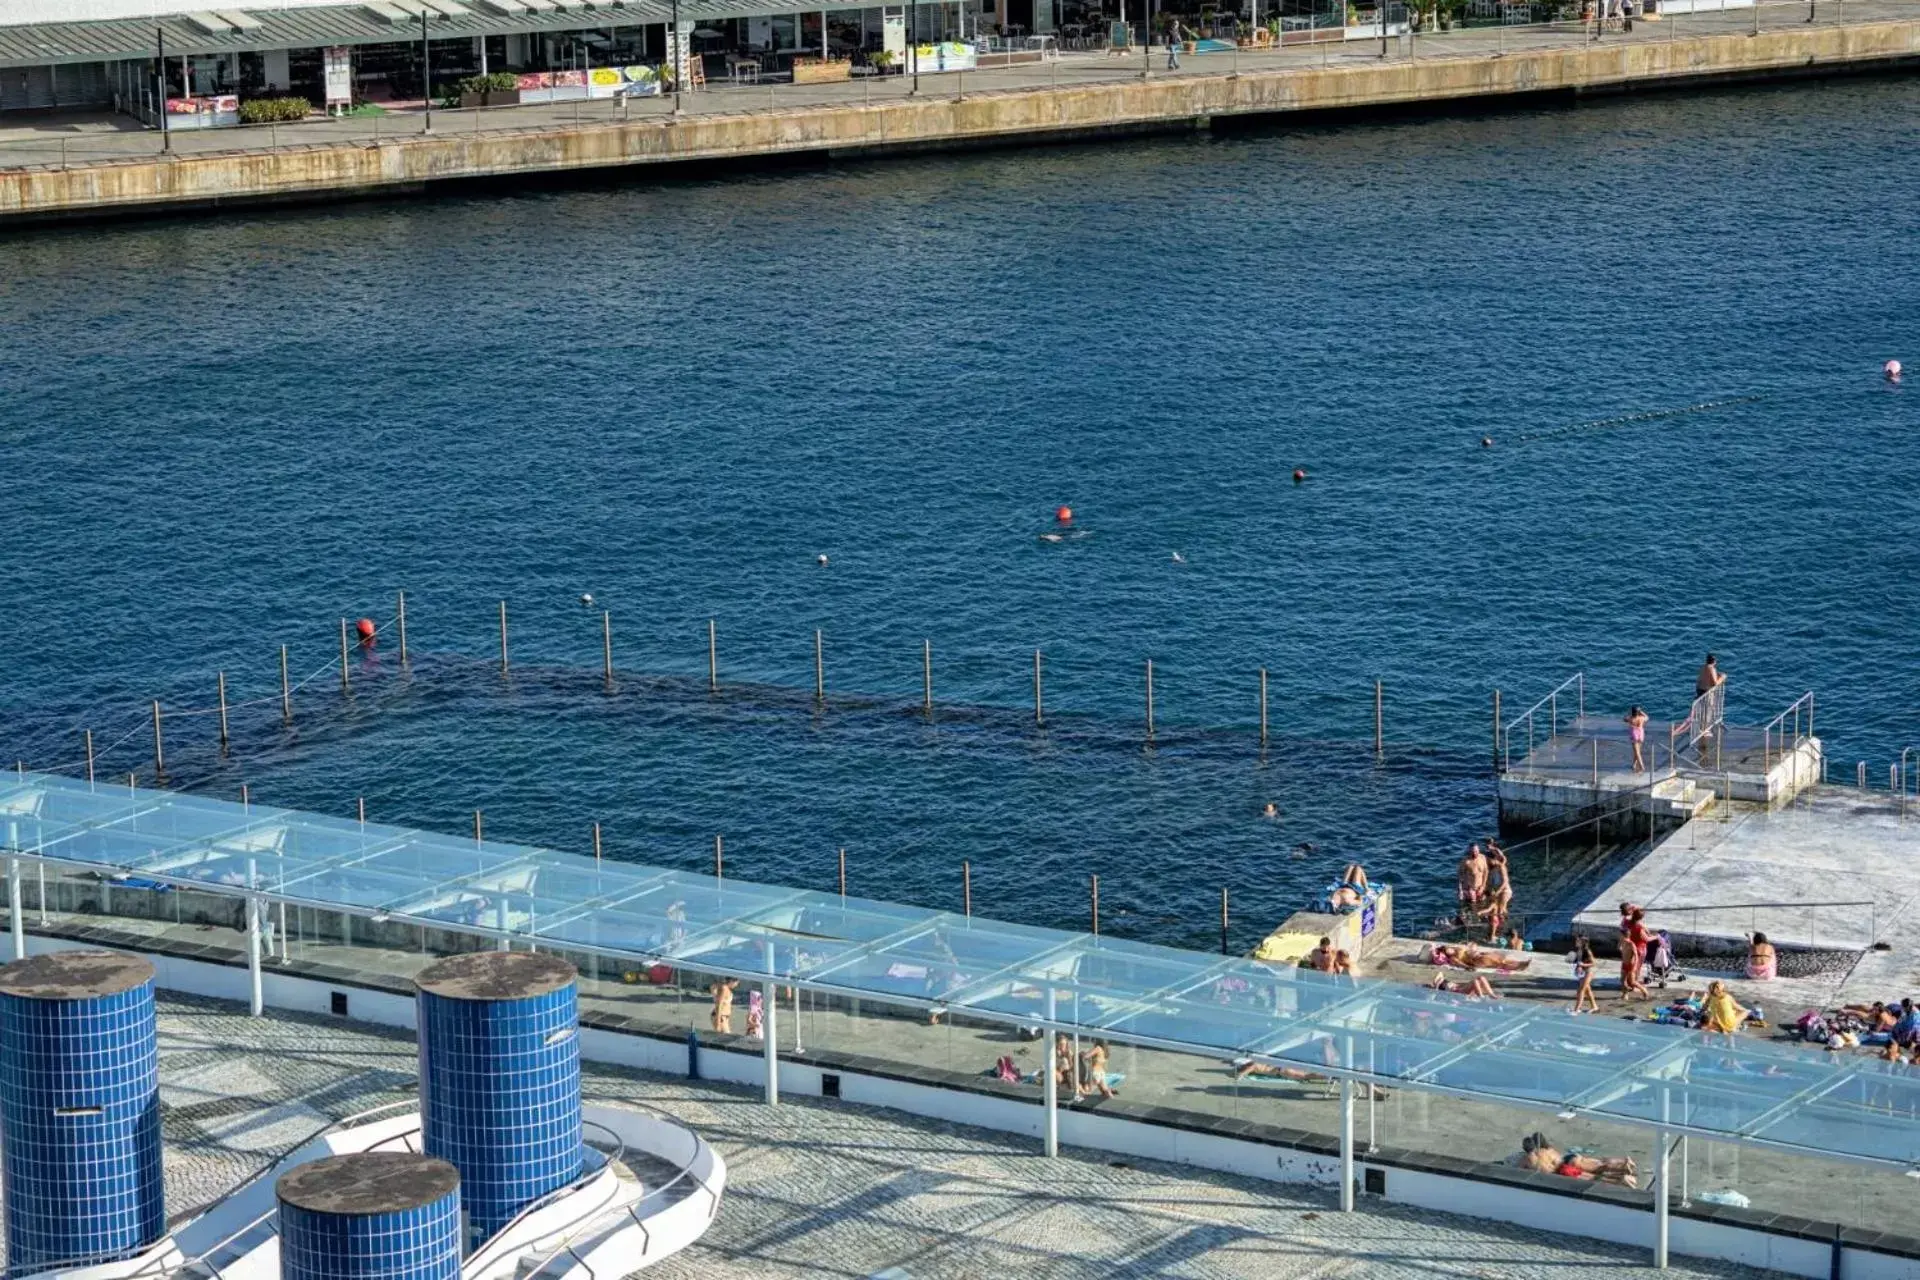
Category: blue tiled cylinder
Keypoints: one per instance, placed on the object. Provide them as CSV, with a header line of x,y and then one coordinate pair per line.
x,y
500,1078
373,1215
79,1109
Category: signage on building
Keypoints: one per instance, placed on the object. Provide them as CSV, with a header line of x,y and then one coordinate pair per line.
x,y
337,60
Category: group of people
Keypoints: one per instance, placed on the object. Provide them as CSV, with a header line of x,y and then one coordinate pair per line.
x,y
1329,959
1485,887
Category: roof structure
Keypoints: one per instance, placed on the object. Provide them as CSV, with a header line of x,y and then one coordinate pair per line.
x,y
377,21
1829,1106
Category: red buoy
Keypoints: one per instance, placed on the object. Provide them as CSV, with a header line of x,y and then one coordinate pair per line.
x,y
366,629
1063,514
1299,474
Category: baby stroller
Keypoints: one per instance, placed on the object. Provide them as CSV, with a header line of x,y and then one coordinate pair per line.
x,y
1660,965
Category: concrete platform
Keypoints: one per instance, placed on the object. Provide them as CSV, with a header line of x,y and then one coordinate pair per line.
x,y
1781,871
1585,771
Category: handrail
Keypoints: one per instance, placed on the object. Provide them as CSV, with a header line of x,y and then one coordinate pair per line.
x,y
477,1258
632,1210
1775,730
1578,680
1902,777
1705,716
161,1264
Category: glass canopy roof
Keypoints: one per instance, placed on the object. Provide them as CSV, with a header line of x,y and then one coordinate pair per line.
x,y
1832,1105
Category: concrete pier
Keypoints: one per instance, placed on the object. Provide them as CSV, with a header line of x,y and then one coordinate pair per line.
x,y
962,116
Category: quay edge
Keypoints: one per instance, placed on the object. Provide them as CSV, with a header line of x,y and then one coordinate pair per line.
x,y
999,118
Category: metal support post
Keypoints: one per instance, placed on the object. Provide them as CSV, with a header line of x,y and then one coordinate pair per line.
x,y
1379,694
479,829
89,734
256,998
926,674
606,643
819,668
223,711
713,658
769,1032
596,844
1149,699
1223,921
966,888
426,68
286,691
1263,706
503,637
719,858
1039,716
1051,1084
403,619
1662,1164
160,759
15,919
1093,884
1346,1144
843,873
345,687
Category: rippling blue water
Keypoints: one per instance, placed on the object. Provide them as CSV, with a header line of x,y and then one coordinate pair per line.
x,y
224,434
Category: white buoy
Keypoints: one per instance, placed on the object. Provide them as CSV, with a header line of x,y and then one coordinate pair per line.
x,y
586,599
821,560
1892,370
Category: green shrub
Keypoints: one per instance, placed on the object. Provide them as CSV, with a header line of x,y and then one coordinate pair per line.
x,y
270,110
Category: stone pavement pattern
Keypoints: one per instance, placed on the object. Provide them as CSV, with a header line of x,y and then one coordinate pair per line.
x,y
827,1189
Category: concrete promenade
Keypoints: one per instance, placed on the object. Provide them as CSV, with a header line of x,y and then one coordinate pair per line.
x,y
55,169
820,1188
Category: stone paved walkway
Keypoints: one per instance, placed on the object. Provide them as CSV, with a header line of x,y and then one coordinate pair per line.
x,y
826,1189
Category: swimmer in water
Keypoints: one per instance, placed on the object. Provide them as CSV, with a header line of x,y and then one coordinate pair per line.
x,y
1178,558
1052,537
1271,811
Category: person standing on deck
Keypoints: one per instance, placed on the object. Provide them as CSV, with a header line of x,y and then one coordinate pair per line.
x,y
1710,677
1173,45
1637,734
1471,876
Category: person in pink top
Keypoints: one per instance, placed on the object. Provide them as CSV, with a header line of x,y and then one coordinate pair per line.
x,y
1637,733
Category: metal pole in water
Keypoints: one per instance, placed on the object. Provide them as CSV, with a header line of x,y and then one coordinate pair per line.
x,y
503,637
1223,920
1379,699
713,659
286,693
223,711
360,807
1039,717
606,643
1095,883
966,888
819,668
1263,706
160,762
1863,775
596,843
719,857
403,628
1149,699
478,828
926,676
1496,729
89,734
344,686
843,873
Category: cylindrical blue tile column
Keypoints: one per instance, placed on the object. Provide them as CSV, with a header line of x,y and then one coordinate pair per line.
x,y
372,1215
79,1109
500,1078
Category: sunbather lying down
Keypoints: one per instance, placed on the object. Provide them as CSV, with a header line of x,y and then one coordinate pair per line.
x,y
1472,957
1476,987
1541,1156
1244,1068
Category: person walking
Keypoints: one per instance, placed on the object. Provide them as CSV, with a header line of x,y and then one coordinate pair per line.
x,y
1583,965
1173,45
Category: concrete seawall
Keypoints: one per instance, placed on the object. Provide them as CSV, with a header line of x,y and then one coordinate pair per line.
x,y
1171,102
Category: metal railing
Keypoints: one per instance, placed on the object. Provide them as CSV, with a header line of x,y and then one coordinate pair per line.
x,y
547,1253
1786,731
1572,690
480,1258
1704,720
1900,778
1778,938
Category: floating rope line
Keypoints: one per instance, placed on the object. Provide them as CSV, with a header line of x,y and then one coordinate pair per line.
x,y
1607,424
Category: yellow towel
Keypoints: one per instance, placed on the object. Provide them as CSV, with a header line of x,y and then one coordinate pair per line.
x,y
1285,948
